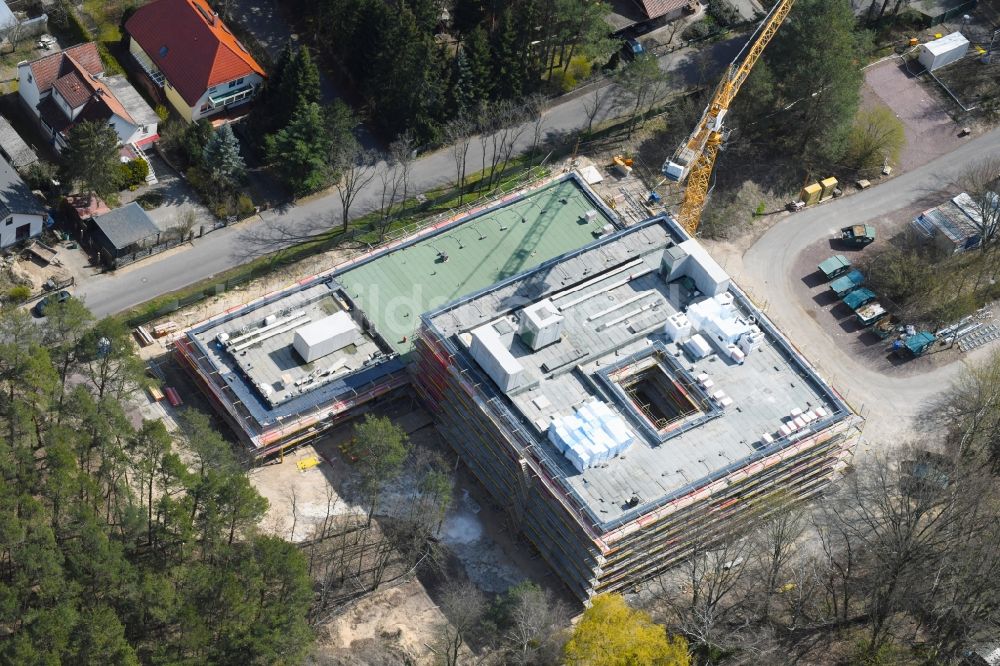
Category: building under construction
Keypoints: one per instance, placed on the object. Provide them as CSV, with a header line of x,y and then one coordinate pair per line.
x,y
609,387
287,366
625,401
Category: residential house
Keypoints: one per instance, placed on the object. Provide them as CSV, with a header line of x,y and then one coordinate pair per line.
x,y
21,214
186,49
69,87
19,26
667,10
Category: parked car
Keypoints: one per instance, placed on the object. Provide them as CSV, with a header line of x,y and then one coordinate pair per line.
x,y
42,305
631,49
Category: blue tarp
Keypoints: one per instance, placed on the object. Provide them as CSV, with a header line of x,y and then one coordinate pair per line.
x,y
834,266
918,344
856,299
845,284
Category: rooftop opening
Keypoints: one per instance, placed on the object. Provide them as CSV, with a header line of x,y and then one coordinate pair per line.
x,y
658,396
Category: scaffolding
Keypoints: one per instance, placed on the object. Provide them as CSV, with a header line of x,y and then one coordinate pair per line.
x,y
589,556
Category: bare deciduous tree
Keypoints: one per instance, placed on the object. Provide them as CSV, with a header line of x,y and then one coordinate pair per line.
x,y
981,181
458,134
463,605
357,170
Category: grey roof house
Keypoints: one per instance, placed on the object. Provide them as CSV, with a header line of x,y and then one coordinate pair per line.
x,y
122,232
21,214
13,148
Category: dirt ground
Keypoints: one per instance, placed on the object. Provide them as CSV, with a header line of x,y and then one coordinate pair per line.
x,y
474,532
930,130
813,289
404,616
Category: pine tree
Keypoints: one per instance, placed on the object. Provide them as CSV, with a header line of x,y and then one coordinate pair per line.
x,y
90,158
477,53
266,112
222,158
299,151
302,80
462,89
508,59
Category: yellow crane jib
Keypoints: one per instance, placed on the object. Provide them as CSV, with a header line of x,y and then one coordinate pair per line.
x,y
695,158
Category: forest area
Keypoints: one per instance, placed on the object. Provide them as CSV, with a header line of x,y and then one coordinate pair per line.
x,y
124,543
415,66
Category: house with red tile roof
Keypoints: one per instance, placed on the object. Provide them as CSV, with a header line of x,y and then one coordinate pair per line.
x,y
667,10
186,49
68,87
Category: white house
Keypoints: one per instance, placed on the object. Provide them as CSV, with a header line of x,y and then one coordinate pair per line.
x,y
186,49
21,214
68,87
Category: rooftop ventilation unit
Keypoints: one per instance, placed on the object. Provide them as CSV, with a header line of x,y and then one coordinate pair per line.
x,y
325,336
541,325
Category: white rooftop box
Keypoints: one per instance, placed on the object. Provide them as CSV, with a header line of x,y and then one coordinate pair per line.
x,y
541,324
325,336
707,274
944,51
493,357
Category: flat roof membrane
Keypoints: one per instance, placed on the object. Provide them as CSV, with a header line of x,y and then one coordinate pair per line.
x,y
396,287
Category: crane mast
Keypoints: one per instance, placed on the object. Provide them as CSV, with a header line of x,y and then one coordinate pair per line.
x,y
695,158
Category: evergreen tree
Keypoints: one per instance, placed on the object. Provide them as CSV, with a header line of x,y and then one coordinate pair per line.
x,y
114,551
222,160
299,151
463,97
509,55
822,80
264,116
300,84
90,159
479,59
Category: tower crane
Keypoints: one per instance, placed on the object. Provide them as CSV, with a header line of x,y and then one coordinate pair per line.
x,y
695,158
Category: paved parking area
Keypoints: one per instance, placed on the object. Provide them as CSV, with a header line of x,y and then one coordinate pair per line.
x,y
178,197
930,131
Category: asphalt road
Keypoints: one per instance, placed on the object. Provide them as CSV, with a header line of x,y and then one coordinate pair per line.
x,y
223,249
889,402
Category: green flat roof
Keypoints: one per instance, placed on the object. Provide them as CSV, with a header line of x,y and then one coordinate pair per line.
x,y
395,288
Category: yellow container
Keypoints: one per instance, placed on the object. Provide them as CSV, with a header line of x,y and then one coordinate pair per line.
x,y
810,194
828,185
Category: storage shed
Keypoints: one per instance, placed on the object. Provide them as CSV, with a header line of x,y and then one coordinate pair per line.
x,y
944,51
122,232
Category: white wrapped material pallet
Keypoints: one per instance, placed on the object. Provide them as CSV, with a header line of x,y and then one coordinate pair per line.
x,y
697,347
677,327
592,435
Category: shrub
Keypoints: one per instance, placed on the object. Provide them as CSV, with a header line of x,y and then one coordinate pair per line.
x,y
40,175
133,173
699,30
724,13
220,209
162,112
150,200
19,294
244,206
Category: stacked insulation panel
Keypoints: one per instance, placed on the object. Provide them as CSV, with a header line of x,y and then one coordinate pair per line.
x,y
591,436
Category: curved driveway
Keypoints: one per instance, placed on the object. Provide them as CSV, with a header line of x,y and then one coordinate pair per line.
x,y
768,271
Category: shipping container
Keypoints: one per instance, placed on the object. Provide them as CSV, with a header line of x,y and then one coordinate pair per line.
x,y
944,51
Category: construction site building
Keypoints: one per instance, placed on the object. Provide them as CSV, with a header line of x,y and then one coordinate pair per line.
x,y
286,367
625,401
